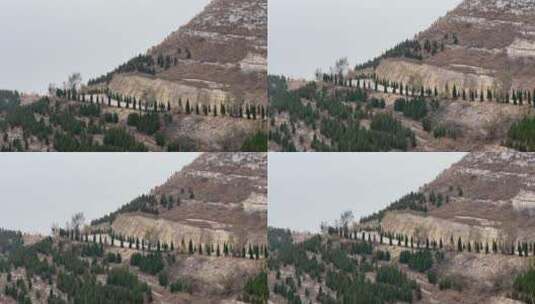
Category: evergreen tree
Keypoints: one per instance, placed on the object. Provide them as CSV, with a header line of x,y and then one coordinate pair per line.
x,y
188,109
190,247
225,249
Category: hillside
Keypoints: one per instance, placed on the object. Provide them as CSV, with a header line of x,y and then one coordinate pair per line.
x,y
320,116
479,211
47,124
369,268
480,44
219,198
477,62
198,238
490,195
219,56
218,59
465,237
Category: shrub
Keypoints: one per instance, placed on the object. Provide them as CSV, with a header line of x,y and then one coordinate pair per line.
x,y
182,144
432,277
256,289
181,285
382,255
450,283
521,135
151,263
524,286
160,139
256,143
111,117
419,261
163,278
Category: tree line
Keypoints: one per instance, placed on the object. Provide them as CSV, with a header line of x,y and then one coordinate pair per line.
x,y
217,249
518,96
520,248
246,110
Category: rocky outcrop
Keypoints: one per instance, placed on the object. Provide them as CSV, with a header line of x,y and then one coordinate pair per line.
x,y
434,228
148,88
148,228
524,202
416,74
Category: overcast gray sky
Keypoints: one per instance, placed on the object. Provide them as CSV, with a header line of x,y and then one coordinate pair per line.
x,y
42,188
43,41
308,188
309,34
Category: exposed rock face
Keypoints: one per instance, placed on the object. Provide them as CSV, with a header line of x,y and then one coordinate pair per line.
x,y
169,231
524,202
219,56
229,203
435,228
137,85
497,202
419,74
495,48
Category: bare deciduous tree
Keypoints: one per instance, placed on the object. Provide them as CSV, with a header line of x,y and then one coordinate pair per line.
x,y
54,228
77,221
74,81
340,66
324,227
346,218
52,89
318,74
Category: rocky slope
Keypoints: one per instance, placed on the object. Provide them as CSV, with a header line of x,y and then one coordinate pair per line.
x,y
486,197
481,44
220,56
223,198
